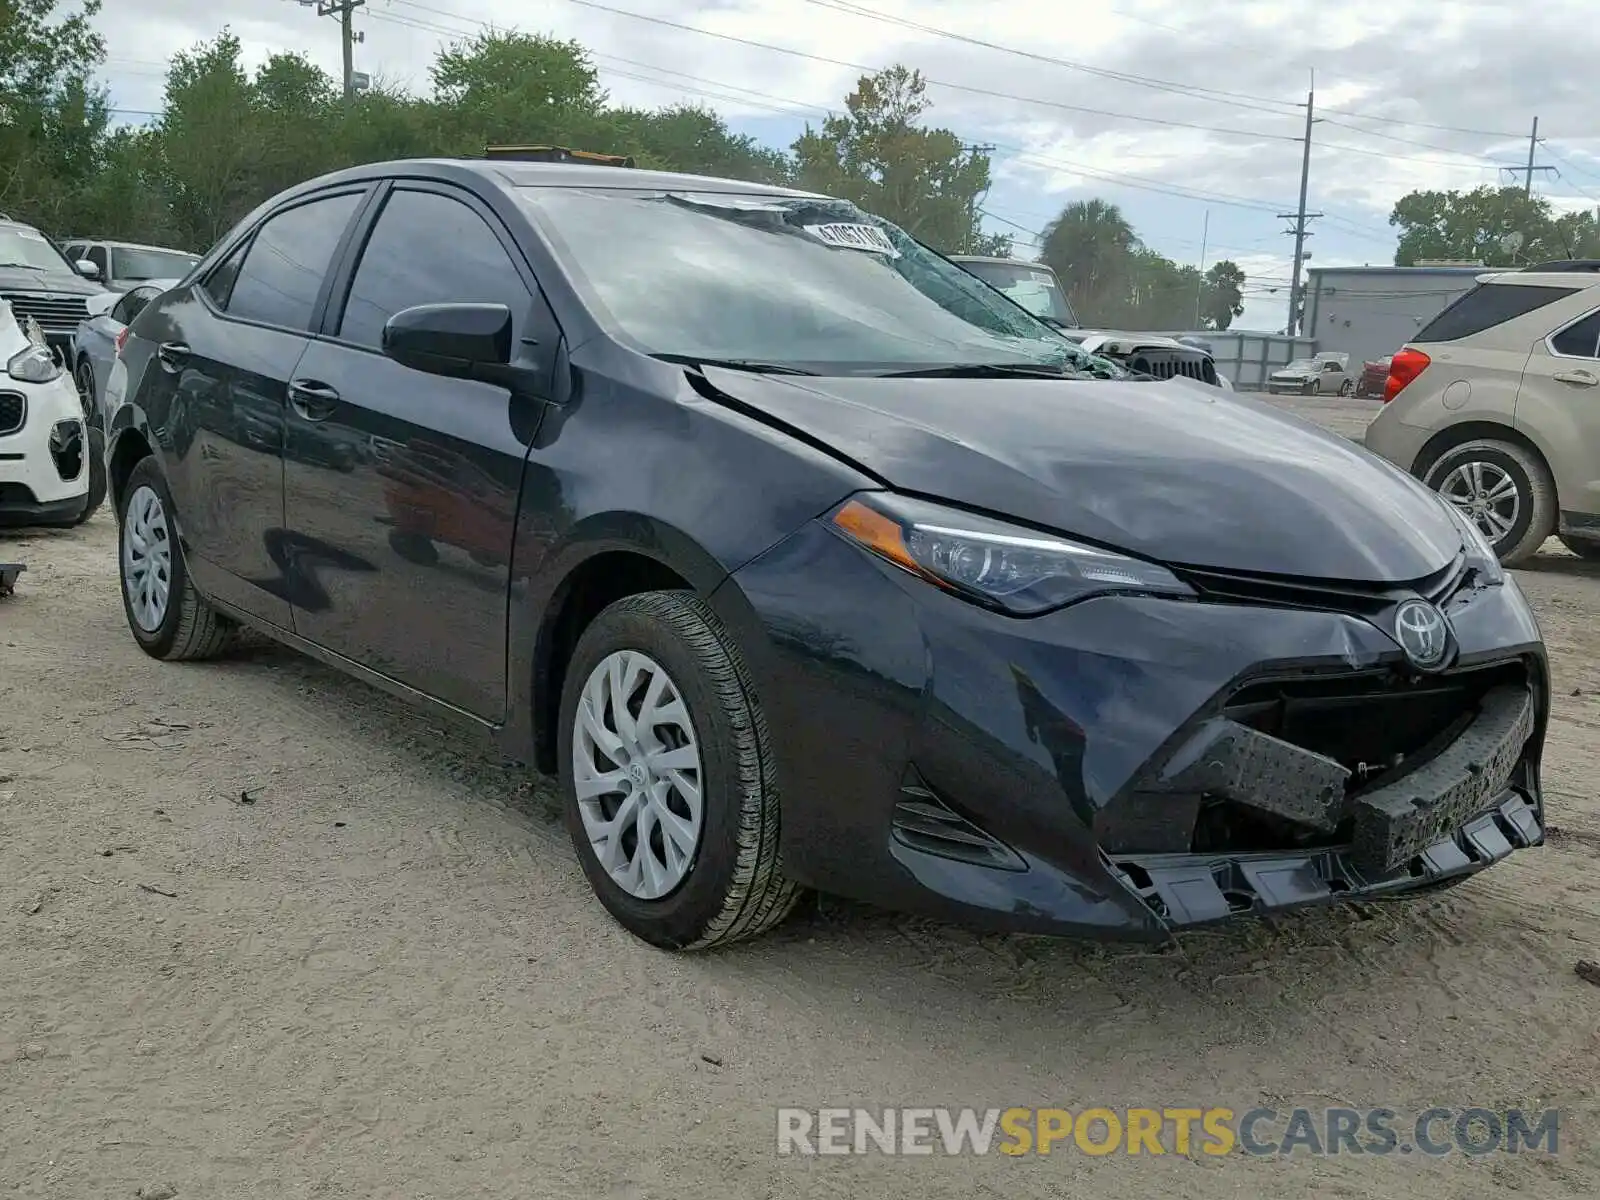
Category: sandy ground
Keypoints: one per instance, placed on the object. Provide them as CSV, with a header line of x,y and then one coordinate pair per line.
x,y
386,976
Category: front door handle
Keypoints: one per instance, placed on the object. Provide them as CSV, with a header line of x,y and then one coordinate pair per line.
x,y
313,399
1578,378
172,355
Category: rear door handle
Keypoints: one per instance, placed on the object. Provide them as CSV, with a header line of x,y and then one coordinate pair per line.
x,y
172,355
313,399
1578,378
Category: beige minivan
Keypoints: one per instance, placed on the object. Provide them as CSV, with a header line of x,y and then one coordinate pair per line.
x,y
1496,406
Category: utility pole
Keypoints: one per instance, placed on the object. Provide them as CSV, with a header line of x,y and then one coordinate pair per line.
x,y
1301,217
344,10
1533,144
1200,283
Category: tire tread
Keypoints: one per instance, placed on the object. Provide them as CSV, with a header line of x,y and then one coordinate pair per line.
x,y
758,896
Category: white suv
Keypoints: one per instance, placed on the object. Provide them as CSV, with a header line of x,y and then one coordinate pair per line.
x,y
1496,405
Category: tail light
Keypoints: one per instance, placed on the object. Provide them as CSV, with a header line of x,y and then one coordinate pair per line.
x,y
122,340
1403,368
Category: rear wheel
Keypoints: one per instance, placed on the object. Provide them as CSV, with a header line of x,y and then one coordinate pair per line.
x,y
167,617
668,777
1586,548
1502,488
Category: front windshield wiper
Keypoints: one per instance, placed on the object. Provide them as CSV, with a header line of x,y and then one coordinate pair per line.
x,y
23,266
980,370
754,366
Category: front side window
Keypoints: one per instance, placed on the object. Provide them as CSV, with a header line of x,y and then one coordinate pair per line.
x,y
97,255
1581,340
24,247
428,249
806,282
139,265
283,269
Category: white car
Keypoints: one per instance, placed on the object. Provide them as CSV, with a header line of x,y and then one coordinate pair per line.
x,y
44,446
1326,374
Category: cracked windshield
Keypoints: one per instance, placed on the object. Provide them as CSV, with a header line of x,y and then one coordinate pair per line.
x,y
799,600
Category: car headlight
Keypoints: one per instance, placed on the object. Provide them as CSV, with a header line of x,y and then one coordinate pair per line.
x,y
36,364
1479,552
993,563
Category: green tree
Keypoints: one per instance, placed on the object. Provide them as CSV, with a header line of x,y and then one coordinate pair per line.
x,y
1092,247
506,87
879,155
1496,226
52,116
1222,297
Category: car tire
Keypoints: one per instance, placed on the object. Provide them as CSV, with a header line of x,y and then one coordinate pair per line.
x,y
1535,517
729,886
96,443
1347,388
184,627
1585,548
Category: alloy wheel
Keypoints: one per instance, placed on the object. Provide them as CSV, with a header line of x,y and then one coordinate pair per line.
x,y
637,775
147,558
1486,495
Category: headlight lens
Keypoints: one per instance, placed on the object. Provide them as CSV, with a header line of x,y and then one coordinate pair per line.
x,y
1475,544
36,364
992,562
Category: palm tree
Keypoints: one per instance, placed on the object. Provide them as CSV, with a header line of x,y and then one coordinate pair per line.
x,y
1091,247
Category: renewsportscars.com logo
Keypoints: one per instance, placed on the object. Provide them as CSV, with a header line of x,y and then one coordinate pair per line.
x,y
1099,1131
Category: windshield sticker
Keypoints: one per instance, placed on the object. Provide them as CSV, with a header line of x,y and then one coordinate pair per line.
x,y
847,236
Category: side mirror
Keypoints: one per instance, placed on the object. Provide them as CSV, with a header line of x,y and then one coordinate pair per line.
x,y
87,269
100,303
458,341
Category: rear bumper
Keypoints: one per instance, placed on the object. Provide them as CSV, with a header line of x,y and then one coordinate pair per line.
x,y
1008,774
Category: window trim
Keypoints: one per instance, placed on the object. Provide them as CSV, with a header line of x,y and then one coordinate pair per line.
x,y
345,275
1550,340
363,190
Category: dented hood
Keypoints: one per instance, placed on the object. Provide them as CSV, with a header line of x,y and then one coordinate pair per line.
x,y
1173,471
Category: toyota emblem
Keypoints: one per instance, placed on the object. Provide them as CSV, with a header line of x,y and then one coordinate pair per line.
x,y
1420,629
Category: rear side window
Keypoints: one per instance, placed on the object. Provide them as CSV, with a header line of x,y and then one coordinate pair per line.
x,y
1488,305
286,261
1581,340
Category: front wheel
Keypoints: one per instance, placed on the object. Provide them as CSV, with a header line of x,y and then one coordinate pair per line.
x,y
668,776
1502,488
1347,388
167,617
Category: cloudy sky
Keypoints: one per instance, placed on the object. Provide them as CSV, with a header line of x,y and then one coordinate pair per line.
x,y
1182,113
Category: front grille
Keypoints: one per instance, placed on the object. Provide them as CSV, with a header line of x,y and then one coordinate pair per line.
x,y
1377,724
1164,363
13,412
56,313
1283,591
1282,763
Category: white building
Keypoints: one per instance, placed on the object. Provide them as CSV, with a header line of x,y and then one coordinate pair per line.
x,y
1371,312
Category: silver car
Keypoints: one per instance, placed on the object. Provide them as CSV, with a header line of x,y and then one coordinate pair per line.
x,y
99,337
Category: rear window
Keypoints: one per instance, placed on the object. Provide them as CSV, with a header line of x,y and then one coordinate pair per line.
x,y
1488,305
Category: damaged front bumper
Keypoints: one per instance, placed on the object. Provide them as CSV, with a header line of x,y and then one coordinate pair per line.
x,y
1131,765
1463,810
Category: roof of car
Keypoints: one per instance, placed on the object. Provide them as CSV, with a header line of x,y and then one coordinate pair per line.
x,y
130,245
577,175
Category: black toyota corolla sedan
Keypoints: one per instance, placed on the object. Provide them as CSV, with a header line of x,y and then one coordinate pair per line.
x,y
805,559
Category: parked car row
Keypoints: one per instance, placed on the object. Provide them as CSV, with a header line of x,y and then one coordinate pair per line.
x,y
807,559
60,314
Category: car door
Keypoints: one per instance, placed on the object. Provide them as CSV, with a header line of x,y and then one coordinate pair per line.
x,y
1558,406
217,388
408,483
